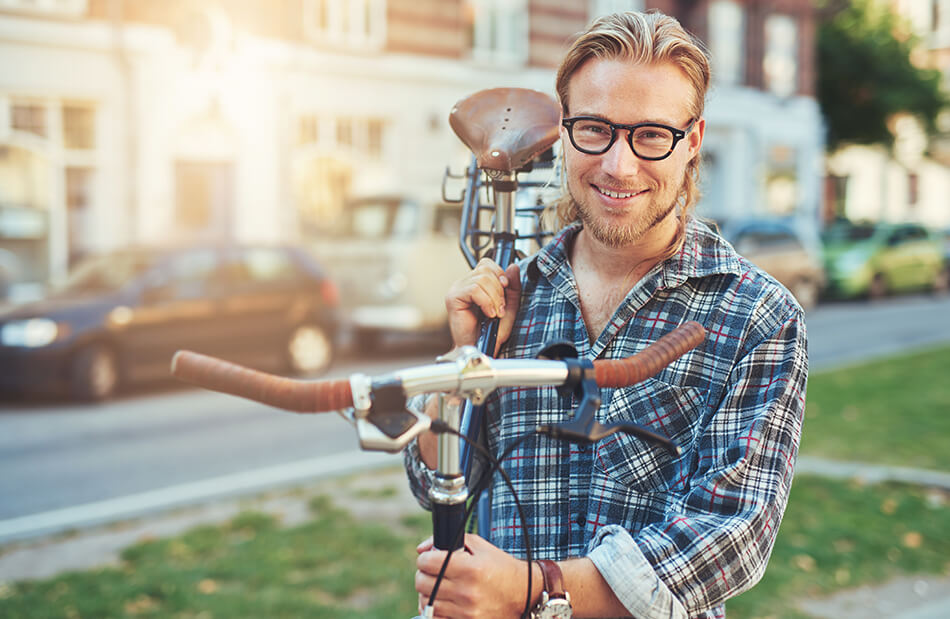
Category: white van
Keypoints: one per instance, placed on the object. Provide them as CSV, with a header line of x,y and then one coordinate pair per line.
x,y
394,259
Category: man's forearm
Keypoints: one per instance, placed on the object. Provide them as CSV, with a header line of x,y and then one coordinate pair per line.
x,y
590,594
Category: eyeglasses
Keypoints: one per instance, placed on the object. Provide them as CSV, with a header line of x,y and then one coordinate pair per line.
x,y
649,141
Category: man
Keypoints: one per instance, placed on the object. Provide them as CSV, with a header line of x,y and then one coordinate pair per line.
x,y
634,531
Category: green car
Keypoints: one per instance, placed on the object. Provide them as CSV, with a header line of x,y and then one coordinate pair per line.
x,y
877,259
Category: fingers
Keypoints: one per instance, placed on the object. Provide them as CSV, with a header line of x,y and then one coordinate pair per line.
x,y
424,546
512,277
512,302
487,291
483,287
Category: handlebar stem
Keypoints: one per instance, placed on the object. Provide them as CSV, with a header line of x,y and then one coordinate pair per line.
x,y
448,491
449,443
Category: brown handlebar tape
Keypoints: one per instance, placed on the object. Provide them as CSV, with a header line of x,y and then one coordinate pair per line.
x,y
287,393
331,395
613,373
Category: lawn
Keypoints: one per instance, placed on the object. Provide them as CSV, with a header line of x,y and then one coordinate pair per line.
x,y
333,566
895,411
841,534
835,535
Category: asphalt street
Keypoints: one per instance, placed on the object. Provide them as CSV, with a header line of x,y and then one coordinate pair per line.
x,y
68,466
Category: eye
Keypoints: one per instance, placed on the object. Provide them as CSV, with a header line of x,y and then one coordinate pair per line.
x,y
592,128
653,134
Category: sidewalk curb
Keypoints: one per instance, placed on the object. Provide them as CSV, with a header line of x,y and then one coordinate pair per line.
x,y
871,473
163,499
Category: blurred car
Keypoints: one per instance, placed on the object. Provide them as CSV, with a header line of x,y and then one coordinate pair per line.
x,y
119,318
394,257
877,259
784,251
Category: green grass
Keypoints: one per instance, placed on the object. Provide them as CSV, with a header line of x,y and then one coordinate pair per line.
x,y
895,411
835,534
333,566
840,534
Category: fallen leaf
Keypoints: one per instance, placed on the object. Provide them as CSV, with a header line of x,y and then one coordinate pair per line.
x,y
913,539
207,586
805,563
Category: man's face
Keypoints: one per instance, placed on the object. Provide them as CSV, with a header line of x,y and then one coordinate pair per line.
x,y
620,197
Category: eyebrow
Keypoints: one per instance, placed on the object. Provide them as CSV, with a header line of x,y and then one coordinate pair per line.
x,y
667,122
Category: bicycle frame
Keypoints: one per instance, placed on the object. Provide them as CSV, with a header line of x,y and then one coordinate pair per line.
x,y
510,131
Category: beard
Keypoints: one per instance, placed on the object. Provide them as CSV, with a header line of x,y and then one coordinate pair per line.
x,y
615,235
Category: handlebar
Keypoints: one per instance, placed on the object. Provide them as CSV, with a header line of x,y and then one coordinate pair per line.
x,y
466,373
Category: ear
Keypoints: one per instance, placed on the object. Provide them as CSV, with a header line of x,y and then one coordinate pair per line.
x,y
561,130
695,137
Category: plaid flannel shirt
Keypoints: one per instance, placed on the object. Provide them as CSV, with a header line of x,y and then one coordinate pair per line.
x,y
671,536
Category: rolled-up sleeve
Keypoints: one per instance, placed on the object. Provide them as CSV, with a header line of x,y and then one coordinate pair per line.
x,y
420,475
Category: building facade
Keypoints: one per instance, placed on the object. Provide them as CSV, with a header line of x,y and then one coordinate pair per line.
x,y
143,121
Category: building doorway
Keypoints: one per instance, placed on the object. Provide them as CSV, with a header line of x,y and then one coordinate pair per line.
x,y
204,199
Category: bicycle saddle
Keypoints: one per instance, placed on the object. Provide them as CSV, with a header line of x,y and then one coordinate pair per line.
x,y
506,127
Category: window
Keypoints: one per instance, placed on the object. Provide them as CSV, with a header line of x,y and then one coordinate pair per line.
x,y
265,264
309,132
781,55
344,132
191,272
349,23
599,8
29,117
366,136
498,30
374,138
727,41
79,222
913,188
79,128
55,7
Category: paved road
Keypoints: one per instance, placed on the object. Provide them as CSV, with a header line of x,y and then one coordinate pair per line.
x,y
66,465
844,333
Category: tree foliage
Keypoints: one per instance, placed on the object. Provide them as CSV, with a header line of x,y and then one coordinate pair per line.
x,y
865,74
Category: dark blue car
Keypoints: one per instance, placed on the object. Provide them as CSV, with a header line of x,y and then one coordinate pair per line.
x,y
121,316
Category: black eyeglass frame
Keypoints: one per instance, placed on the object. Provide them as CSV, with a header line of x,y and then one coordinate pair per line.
x,y
678,134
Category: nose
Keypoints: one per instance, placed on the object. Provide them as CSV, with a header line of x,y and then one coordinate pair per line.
x,y
620,161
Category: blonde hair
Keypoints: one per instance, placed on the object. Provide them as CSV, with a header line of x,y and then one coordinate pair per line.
x,y
641,38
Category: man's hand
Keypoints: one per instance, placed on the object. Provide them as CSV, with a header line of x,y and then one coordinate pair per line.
x,y
480,581
486,291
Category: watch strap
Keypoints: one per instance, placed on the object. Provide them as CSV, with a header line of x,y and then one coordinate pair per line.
x,y
553,579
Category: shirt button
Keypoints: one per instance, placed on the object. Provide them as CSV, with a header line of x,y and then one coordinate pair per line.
x,y
582,448
580,520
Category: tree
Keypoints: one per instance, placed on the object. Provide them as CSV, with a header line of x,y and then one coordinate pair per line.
x,y
866,77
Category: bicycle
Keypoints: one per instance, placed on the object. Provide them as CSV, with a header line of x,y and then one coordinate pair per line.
x,y
510,132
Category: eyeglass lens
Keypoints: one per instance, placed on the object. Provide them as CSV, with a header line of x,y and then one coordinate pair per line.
x,y
596,136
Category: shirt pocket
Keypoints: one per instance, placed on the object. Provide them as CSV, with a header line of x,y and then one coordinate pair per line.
x,y
641,464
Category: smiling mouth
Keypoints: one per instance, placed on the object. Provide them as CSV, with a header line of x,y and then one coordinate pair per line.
x,y
617,195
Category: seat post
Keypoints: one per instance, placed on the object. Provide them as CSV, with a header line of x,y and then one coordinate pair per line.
x,y
504,188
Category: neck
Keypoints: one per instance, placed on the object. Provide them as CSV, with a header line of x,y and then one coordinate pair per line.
x,y
633,260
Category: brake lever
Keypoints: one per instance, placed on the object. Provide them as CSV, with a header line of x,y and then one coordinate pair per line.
x,y
584,427
380,416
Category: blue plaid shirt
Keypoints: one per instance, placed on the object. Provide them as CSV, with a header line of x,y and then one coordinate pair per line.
x,y
672,536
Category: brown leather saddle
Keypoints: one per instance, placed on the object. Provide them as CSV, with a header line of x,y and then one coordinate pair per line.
x,y
506,128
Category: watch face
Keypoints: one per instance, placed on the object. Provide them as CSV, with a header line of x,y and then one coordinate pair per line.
x,y
556,608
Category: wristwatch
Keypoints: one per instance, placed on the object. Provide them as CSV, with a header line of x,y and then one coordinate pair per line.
x,y
555,601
